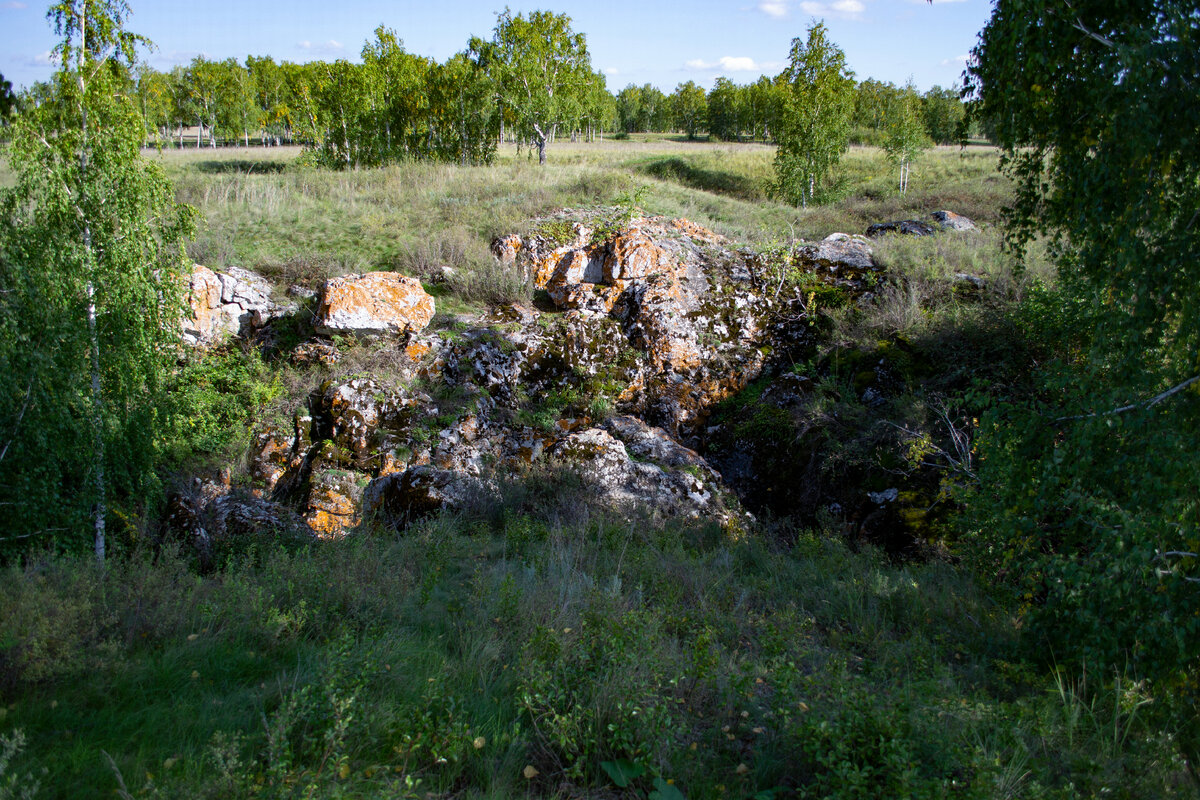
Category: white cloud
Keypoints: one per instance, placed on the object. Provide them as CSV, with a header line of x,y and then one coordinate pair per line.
x,y
45,59
732,64
612,71
848,9
738,64
956,60
14,5
773,8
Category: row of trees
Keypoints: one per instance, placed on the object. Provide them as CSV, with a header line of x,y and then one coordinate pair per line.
x,y
531,82
753,112
394,105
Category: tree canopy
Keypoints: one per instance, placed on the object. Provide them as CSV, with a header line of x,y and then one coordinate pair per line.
x,y
1092,480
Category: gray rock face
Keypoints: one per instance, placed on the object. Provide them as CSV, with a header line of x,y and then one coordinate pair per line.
x,y
209,515
620,481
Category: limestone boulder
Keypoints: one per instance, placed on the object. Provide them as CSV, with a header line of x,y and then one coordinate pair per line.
x,y
209,516
373,303
227,303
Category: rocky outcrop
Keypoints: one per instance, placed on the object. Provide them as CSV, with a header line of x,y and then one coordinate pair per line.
x,y
373,303
228,303
611,375
699,318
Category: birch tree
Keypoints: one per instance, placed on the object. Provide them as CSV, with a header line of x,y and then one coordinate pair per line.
x,y
906,137
815,125
90,262
542,69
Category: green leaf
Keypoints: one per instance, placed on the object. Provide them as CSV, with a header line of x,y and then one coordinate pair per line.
x,y
665,791
623,771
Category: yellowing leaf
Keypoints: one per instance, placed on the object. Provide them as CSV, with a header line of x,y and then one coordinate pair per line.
x,y
530,772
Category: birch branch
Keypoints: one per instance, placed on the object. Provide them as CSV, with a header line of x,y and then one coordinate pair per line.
x,y
1147,404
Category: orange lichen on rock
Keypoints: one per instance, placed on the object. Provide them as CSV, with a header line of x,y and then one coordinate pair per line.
x,y
416,350
376,302
686,226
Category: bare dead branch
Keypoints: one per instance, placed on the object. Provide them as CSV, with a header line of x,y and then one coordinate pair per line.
x,y
1147,404
17,424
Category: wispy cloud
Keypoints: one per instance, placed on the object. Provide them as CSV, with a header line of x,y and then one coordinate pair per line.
x,y
774,8
44,59
956,60
731,64
331,47
838,8
612,71
13,5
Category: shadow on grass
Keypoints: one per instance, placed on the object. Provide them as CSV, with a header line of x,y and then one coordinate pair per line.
x,y
681,170
241,165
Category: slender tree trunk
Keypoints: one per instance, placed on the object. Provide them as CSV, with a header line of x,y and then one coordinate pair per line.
x,y
199,132
100,509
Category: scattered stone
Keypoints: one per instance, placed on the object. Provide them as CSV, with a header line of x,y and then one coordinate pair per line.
x,y
907,227
316,352
949,221
373,303
886,496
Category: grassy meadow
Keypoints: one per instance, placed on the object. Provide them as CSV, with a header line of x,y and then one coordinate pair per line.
x,y
534,646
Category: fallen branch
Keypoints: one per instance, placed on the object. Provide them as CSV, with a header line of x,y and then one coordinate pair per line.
x,y
1153,401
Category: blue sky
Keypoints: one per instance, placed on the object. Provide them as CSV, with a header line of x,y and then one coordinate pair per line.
x,y
632,41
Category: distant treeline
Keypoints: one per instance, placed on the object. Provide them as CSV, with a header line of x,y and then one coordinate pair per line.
x,y
751,112
396,105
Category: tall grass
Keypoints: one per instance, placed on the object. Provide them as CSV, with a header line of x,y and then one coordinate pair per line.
x,y
448,659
